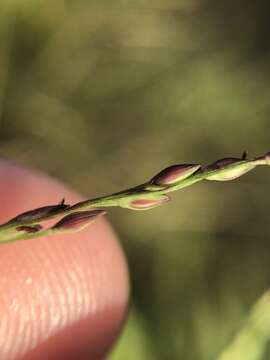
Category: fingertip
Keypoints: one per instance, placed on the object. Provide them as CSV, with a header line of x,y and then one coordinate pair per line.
x,y
62,294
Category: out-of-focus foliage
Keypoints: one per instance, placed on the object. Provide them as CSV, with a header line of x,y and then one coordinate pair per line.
x,y
103,94
251,341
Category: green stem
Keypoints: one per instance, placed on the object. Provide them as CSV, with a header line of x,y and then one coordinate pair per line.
x,y
224,169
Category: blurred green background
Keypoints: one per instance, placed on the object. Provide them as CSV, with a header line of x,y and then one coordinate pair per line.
x,y
104,94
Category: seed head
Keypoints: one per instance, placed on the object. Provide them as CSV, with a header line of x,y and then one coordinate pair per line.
x,y
230,169
39,213
29,229
78,220
145,204
173,174
263,160
221,163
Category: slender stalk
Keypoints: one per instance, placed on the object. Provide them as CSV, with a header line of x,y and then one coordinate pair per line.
x,y
142,197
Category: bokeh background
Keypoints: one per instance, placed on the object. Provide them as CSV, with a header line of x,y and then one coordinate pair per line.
x,y
104,94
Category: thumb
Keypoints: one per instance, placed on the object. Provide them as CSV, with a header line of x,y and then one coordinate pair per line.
x,y
62,297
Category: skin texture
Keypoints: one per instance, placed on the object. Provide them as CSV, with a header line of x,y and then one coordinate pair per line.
x,y
62,297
